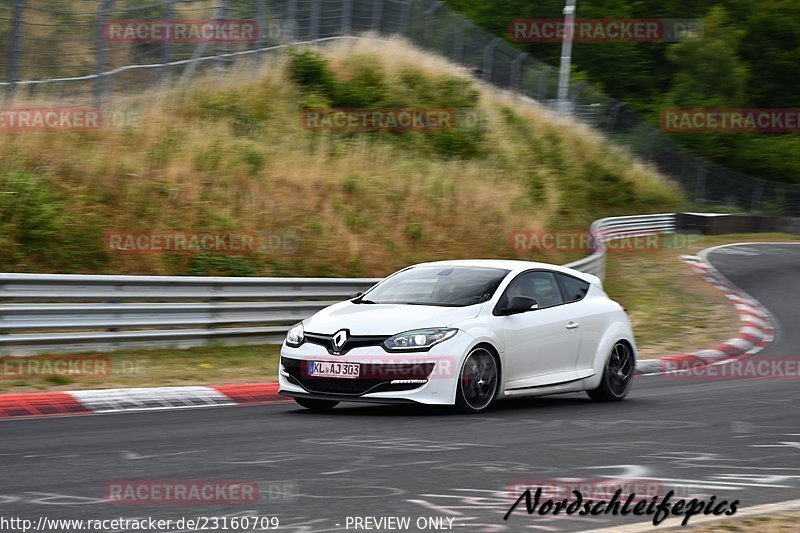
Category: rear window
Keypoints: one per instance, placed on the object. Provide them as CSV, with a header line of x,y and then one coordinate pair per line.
x,y
574,289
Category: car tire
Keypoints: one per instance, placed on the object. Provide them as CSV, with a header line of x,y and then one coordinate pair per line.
x,y
478,381
617,375
316,405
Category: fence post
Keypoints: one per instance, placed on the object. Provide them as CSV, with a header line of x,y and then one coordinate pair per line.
x,y
314,33
101,58
458,42
290,24
647,152
700,186
613,115
15,46
488,52
377,14
199,50
755,204
261,21
166,45
574,100
404,16
222,13
515,70
347,15
544,77
429,22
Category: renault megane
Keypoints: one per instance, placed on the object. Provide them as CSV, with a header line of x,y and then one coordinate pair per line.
x,y
463,333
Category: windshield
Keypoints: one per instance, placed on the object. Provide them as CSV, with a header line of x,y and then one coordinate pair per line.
x,y
449,286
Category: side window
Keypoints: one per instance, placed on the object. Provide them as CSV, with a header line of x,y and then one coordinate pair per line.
x,y
539,285
574,288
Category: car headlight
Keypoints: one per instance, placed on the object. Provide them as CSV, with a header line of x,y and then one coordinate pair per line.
x,y
294,337
418,339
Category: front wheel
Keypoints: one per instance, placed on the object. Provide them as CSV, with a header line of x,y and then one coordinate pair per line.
x,y
477,382
317,405
617,376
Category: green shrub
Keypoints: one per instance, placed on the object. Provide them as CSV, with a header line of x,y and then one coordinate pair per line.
x,y
310,70
37,229
365,86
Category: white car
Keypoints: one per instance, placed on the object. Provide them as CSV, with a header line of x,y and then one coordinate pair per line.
x,y
463,333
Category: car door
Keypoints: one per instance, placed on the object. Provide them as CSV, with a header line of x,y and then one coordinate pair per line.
x,y
542,344
591,319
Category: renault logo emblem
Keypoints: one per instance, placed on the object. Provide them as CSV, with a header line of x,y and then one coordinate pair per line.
x,y
339,338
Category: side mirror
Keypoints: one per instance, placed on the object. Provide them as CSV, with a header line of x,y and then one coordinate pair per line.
x,y
356,295
519,304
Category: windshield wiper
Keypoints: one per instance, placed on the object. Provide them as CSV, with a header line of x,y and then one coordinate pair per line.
x,y
363,301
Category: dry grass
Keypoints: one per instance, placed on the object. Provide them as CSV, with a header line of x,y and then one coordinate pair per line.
x,y
229,153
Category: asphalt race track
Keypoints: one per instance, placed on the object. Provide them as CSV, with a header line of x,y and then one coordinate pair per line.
x,y
735,439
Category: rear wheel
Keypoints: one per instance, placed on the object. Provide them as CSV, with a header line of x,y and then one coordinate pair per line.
x,y
477,382
617,376
317,405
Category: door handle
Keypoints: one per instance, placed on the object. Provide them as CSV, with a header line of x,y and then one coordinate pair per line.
x,y
572,325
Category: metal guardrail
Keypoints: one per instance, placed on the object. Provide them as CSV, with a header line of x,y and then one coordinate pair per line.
x,y
608,229
69,313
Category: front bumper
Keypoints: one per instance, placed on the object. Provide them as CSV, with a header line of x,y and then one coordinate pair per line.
x,y
419,377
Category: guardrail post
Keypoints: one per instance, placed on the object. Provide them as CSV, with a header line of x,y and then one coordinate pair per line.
x,y
314,32
488,53
15,46
377,15
347,15
101,54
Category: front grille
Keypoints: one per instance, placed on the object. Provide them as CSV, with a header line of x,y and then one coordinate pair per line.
x,y
355,341
375,378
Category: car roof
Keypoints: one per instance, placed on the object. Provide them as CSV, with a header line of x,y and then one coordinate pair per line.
x,y
516,266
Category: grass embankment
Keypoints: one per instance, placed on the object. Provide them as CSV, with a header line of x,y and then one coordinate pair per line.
x,y
673,310
229,153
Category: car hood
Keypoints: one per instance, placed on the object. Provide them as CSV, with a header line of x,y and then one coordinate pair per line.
x,y
385,319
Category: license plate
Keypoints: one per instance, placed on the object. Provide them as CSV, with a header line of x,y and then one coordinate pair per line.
x,y
332,369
